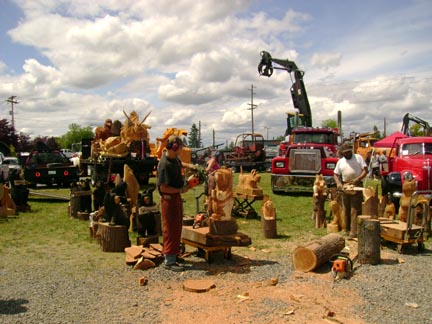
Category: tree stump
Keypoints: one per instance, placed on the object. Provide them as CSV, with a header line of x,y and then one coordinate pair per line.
x,y
309,257
369,240
113,238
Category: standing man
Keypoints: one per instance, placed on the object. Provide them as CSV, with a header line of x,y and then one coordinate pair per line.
x,y
350,171
171,185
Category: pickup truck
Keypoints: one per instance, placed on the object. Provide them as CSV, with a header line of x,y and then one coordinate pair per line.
x,y
49,167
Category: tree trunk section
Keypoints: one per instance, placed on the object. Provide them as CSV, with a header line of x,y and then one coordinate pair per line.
x,y
315,253
369,240
113,238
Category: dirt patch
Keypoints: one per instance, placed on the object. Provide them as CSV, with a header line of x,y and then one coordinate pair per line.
x,y
309,298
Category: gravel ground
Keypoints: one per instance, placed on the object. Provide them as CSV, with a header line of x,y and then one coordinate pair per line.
x,y
38,290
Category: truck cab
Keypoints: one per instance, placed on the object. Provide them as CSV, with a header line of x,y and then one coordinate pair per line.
x,y
411,154
312,151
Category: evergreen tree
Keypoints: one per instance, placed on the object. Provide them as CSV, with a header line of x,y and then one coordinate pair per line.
x,y
193,138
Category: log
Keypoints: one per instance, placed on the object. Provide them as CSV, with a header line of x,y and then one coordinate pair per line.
x,y
113,238
370,202
369,240
198,285
312,255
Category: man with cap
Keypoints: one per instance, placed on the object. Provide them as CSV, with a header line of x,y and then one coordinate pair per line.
x,y
348,174
171,185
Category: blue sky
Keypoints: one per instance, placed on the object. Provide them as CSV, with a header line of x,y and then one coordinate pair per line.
x,y
195,61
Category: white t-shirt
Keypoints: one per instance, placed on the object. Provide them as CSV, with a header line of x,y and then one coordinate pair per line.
x,y
350,169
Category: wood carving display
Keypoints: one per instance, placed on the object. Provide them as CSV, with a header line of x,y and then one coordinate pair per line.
x,y
248,184
408,189
221,197
132,189
7,205
335,205
319,198
268,219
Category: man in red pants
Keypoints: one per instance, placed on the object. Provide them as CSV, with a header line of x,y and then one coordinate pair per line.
x,y
171,185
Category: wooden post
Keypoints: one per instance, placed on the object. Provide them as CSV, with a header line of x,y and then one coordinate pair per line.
x,y
309,257
113,238
369,240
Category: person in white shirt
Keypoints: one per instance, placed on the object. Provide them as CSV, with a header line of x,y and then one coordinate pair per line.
x,y
348,174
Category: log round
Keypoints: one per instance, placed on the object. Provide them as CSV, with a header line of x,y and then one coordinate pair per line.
x,y
309,257
369,240
113,238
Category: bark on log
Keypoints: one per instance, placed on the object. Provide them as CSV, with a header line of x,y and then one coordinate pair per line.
x,y
369,240
309,257
113,238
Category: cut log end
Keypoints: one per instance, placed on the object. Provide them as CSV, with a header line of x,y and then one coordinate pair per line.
x,y
304,259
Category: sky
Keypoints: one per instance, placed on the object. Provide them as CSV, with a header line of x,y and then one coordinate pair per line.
x,y
195,62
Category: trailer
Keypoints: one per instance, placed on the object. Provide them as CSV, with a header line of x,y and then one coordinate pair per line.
x,y
418,226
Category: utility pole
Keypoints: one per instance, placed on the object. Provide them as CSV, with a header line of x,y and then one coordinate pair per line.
x,y
252,107
267,128
12,101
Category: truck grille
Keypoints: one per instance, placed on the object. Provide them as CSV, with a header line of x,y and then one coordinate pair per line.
x,y
305,160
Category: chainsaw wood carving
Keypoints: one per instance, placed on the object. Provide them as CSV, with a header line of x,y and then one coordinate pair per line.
x,y
370,202
134,130
335,205
221,197
7,205
319,198
388,208
312,255
132,190
369,240
408,189
248,184
268,219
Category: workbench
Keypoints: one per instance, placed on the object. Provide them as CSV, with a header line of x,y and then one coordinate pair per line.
x,y
243,205
203,240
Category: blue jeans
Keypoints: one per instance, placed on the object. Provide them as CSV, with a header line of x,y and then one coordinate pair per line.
x,y
170,259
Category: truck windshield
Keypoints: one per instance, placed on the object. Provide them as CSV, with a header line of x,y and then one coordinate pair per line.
x,y
416,148
318,138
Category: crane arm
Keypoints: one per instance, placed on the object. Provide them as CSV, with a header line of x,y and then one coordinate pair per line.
x,y
298,90
406,120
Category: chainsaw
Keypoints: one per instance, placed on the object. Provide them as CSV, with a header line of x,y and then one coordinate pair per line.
x,y
342,265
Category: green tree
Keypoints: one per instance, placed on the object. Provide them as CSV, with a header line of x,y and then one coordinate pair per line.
x,y
329,123
8,137
377,132
416,130
193,138
75,134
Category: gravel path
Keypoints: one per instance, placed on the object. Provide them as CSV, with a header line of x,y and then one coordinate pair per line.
x,y
35,288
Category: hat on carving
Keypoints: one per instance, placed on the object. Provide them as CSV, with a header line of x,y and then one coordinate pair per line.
x,y
346,147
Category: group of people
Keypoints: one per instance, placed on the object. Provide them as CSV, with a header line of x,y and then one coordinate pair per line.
x,y
376,163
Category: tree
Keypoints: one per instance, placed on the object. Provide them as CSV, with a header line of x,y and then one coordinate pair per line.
x,y
416,130
377,132
193,138
51,142
8,137
329,123
75,134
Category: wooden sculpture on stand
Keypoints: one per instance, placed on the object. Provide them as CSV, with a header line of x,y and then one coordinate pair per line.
x,y
335,205
408,189
319,198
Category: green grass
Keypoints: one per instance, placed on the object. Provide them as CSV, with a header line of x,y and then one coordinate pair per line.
x,y
48,231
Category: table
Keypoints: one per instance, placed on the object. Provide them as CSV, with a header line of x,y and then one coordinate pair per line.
x,y
243,205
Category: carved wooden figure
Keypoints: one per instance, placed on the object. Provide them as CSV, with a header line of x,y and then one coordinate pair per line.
x,y
408,189
319,198
221,197
248,184
336,209
370,202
